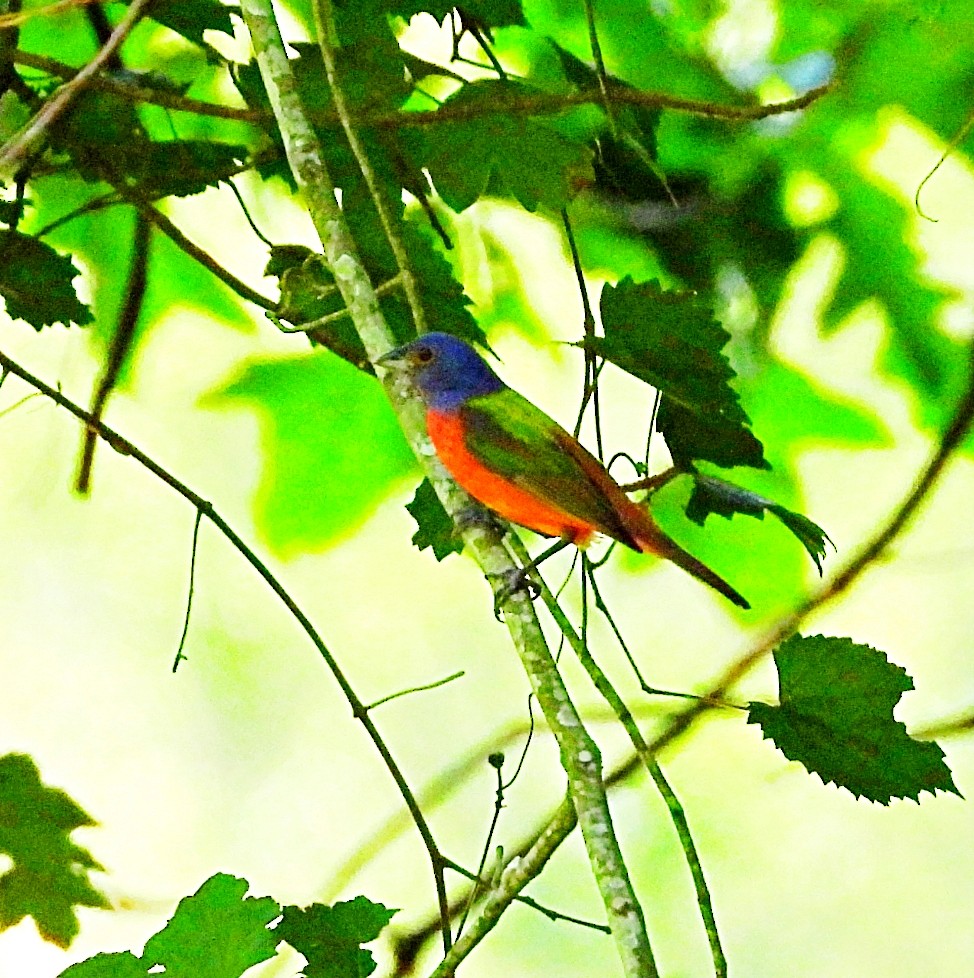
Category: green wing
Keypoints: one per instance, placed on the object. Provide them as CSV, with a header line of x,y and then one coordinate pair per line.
x,y
510,436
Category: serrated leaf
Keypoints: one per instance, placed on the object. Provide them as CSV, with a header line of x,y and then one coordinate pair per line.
x,y
179,167
36,283
498,151
123,964
835,717
330,938
435,529
717,496
671,341
218,932
49,877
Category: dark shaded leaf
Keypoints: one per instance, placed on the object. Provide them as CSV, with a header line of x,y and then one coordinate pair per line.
x,y
671,341
435,529
36,283
499,152
711,495
179,167
835,717
494,13
218,932
191,17
331,937
49,877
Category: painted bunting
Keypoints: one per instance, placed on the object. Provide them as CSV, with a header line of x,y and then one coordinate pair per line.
x,y
513,458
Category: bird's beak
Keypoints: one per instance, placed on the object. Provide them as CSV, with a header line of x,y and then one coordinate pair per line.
x,y
395,359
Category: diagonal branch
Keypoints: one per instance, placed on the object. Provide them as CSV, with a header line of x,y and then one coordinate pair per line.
x,y
23,143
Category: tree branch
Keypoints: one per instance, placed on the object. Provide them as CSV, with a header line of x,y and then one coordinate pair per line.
x,y
23,143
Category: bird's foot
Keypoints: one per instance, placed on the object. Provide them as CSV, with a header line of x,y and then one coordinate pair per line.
x,y
510,583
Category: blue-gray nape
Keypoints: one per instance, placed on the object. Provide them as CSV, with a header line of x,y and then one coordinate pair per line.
x,y
455,372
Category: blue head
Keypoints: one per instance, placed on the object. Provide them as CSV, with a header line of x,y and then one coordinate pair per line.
x,y
446,370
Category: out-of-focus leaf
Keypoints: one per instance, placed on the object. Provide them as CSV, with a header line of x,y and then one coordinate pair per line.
x,y
725,499
835,717
49,877
671,341
435,529
218,932
37,283
332,448
331,938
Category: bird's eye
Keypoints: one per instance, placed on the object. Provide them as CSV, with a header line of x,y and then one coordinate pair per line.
x,y
424,354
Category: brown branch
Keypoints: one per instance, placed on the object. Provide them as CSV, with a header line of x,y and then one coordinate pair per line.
x,y
121,343
25,141
194,251
539,103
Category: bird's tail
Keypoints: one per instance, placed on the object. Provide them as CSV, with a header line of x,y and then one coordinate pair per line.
x,y
658,543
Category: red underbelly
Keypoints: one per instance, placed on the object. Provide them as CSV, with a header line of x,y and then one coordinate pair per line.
x,y
495,491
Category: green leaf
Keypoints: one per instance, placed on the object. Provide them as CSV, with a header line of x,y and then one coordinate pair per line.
x,y
332,448
49,877
191,17
836,718
179,167
121,965
435,529
36,283
331,937
672,342
497,151
217,933
494,13
711,495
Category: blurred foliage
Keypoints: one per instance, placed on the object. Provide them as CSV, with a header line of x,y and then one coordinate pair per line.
x,y
617,175
49,876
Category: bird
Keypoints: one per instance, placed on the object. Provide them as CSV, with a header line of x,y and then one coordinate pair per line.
x,y
520,463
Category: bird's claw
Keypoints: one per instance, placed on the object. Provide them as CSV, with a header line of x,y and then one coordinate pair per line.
x,y
513,581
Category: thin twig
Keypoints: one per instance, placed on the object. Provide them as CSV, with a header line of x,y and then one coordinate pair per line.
x,y
179,239
23,143
194,549
600,73
414,689
520,103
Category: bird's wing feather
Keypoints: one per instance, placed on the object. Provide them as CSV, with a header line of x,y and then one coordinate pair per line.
x,y
517,440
